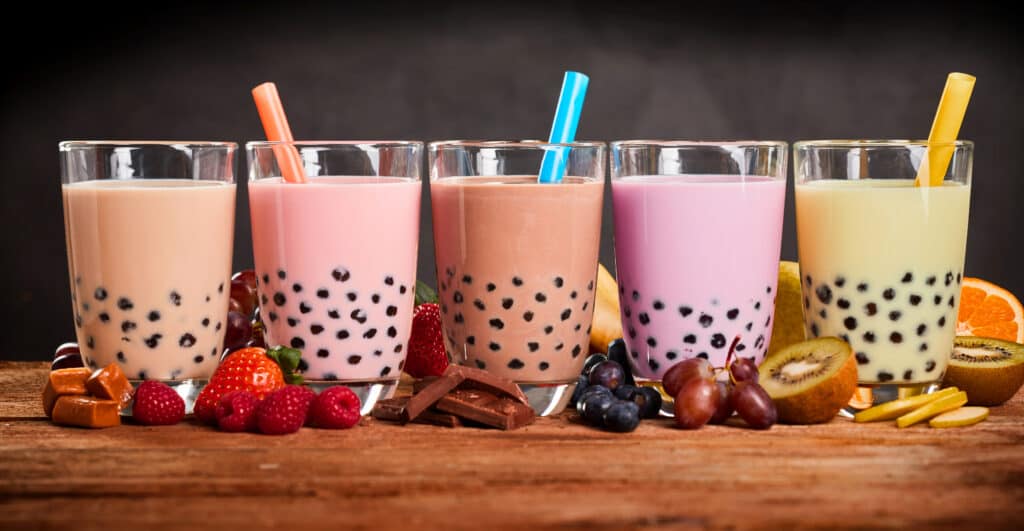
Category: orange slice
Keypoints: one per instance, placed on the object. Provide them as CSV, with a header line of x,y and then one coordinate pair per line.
x,y
987,310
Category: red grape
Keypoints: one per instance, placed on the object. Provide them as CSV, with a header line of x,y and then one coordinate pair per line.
x,y
753,405
684,370
246,276
743,370
696,403
243,297
239,331
66,348
724,409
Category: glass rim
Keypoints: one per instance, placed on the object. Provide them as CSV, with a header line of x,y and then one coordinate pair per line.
x,y
645,143
66,145
513,144
335,143
877,143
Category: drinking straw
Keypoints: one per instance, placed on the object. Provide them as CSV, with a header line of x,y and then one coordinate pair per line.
x,y
275,124
563,128
945,128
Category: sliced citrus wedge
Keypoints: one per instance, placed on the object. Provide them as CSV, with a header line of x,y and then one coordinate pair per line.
x,y
988,310
964,416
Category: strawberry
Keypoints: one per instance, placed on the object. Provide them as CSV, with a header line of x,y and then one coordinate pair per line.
x,y
250,369
426,355
156,404
284,411
336,408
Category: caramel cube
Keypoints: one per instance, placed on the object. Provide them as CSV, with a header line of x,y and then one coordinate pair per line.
x,y
110,383
64,382
86,412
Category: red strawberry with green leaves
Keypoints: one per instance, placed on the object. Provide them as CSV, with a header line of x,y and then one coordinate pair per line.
x,y
426,356
251,369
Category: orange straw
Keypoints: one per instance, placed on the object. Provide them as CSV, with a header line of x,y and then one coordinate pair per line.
x,y
275,124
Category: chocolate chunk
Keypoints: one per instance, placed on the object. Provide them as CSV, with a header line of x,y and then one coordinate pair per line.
x,y
487,409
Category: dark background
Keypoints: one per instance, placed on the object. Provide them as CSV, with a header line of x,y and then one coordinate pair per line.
x,y
428,71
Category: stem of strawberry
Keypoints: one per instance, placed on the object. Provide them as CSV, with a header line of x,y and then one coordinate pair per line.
x,y
424,293
288,359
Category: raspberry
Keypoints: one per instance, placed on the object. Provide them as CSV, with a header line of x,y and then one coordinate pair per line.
x,y
156,404
284,411
236,411
337,408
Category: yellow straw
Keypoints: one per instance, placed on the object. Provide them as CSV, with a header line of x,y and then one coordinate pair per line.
x,y
945,129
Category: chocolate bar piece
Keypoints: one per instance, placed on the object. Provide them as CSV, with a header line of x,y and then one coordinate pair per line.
x,y
432,392
438,418
391,409
110,383
487,408
86,412
485,381
64,382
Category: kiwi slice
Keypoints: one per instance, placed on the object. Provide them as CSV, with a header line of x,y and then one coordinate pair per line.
x,y
931,409
810,381
964,416
989,370
898,408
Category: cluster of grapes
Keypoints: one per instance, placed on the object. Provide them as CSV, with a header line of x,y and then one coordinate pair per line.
x,y
701,399
606,397
244,327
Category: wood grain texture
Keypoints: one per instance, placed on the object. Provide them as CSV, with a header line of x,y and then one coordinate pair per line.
x,y
556,473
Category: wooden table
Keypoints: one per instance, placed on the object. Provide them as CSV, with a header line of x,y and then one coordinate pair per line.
x,y
555,473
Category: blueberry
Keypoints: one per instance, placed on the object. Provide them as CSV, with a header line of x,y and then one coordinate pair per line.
x,y
594,405
617,353
592,361
649,401
607,373
590,391
622,416
625,392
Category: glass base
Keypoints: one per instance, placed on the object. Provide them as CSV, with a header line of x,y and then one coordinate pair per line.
x,y
188,390
548,398
369,392
871,395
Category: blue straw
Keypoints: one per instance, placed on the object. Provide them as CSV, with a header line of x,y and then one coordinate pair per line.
x,y
563,129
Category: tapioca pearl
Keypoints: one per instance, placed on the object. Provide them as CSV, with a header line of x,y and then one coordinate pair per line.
x,y
443,286
942,321
868,337
491,287
862,287
392,332
807,302
342,334
100,293
298,342
823,314
690,339
576,350
385,371
271,315
895,315
573,294
952,301
323,293
303,365
92,364
459,319
703,355
559,282
128,326
198,358
370,334
152,341
759,342
527,316
494,346
923,347
908,374
685,311
450,271
937,299
929,366
839,282
305,308
628,312
870,309
516,281
732,314
264,299
884,376
653,364
843,304
444,308
652,342
213,352
334,314
930,280
908,277
358,316
889,294
506,303
392,311
124,304
636,295
280,299
466,279
921,329
281,274
577,327
142,374
479,304
718,341
292,321
896,337
390,281
402,289
814,329
850,323
480,364
634,354
757,305
378,352
104,317
958,278
585,305
824,294
352,296
322,353
296,287
632,332
643,318
559,347
90,342
540,297
844,337
657,305
354,359
807,279
705,320
266,278
862,358
590,286
741,347
548,329
316,329
457,297
914,299
949,278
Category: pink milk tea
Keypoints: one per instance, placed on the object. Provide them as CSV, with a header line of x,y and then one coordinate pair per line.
x,y
697,258
336,263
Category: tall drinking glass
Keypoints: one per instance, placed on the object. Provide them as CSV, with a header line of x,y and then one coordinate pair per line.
x,y
336,258
517,260
881,259
149,230
698,231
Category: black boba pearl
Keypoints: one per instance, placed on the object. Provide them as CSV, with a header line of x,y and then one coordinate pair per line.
x,y
548,329
85,306
494,346
896,337
297,342
807,302
628,311
391,311
862,358
814,329
516,281
657,305
264,299
120,356
334,314
153,316
359,316
322,293
850,323
466,279
566,313
142,375
497,323
757,305
480,364
884,376
402,289
375,298
590,286
516,363
807,278
559,346
479,304
528,316
862,287
840,281
824,293
573,294
631,332
198,359
937,299
205,322
915,300
354,359
689,338
685,310
703,355
100,294
297,287
90,342
217,326
491,287
128,326
636,295
889,294
271,315
390,281
392,331
942,321
559,282
342,334
279,299
930,280
732,314
949,278
749,326
671,355
921,329
124,304
322,353
304,308
651,342
843,304
398,348
459,319
930,366
266,278
540,297
923,347
869,337
759,342
585,304
385,371
292,321
577,327
844,337
705,320
457,297
316,329
895,315
369,334
952,300
470,340
533,346
104,317
823,314
303,365
576,350
908,277
152,341
908,375
718,341
442,286
958,278
543,365
870,309
506,303
643,318
281,274
653,364
352,296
